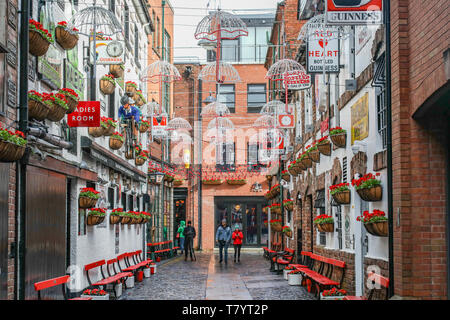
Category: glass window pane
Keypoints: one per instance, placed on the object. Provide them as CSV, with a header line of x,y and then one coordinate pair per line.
x,y
230,50
261,43
248,46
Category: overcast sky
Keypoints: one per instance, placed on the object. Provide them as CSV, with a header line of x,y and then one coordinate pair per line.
x,y
188,13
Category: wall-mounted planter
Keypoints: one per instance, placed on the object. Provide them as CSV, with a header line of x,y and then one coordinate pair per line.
x,y
116,70
114,219
139,161
86,203
143,127
371,194
56,112
306,162
66,39
107,87
10,152
314,155
342,197
93,219
212,182
324,148
379,229
96,131
38,45
339,139
37,110
325,227
237,182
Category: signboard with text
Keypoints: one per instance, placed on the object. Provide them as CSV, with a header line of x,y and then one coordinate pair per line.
x,y
159,126
323,49
297,80
109,51
87,114
354,12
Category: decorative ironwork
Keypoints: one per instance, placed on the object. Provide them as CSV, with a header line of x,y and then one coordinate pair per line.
x,y
178,123
226,73
220,24
216,109
97,20
160,71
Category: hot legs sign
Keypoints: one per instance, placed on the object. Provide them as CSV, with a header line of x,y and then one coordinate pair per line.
x,y
354,12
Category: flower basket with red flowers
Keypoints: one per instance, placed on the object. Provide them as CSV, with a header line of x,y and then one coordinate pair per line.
x,y
115,216
275,190
117,70
305,160
139,98
12,145
338,137
268,195
140,159
275,208
293,168
71,97
266,222
287,231
368,187
88,198
178,182
212,181
95,294
236,181
375,223
95,216
144,126
169,177
265,209
109,125
288,204
39,39
324,223
314,153
333,294
285,175
37,108
275,225
324,146
66,37
58,106
287,270
131,87
107,84
340,193
146,216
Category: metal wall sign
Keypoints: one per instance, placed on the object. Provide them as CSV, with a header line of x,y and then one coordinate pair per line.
x,y
360,118
297,80
323,49
354,12
87,114
11,57
12,93
159,126
108,52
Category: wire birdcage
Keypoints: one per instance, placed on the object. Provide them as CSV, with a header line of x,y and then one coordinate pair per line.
x,y
178,123
160,71
221,123
95,19
265,122
277,71
215,109
220,24
227,73
273,107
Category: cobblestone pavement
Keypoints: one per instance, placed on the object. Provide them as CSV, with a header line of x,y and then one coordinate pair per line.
x,y
207,279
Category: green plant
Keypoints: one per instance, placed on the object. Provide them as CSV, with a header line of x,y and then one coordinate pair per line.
x,y
367,181
117,135
336,130
89,193
100,212
339,188
110,78
323,219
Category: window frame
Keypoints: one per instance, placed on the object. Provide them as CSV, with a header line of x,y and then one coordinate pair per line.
x,y
233,108
256,109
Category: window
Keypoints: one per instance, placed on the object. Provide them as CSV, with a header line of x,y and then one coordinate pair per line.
x,y
256,97
227,96
226,156
308,111
167,49
381,115
130,202
230,50
2,82
112,6
112,105
253,48
338,214
124,201
319,204
111,198
253,161
136,46
154,35
127,23
72,137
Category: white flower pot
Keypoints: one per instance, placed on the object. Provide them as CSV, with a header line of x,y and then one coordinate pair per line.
x,y
147,273
295,279
331,297
285,273
130,282
118,289
105,297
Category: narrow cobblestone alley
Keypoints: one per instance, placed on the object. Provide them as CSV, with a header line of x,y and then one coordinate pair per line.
x,y
206,279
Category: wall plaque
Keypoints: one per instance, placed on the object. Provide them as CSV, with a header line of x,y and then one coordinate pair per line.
x,y
12,15
11,57
12,93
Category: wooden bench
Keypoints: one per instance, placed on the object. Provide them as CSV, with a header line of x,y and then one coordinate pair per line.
x,y
321,273
113,279
280,258
276,246
305,262
378,282
39,286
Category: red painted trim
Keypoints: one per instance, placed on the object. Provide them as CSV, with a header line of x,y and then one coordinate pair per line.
x,y
51,282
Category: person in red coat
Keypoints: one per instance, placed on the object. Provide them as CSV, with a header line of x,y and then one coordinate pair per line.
x,y
237,237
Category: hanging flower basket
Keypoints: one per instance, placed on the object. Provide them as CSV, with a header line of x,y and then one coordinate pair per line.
x,y
66,38
212,181
324,223
178,182
340,193
72,99
140,159
139,98
288,204
286,176
268,195
117,70
265,210
126,219
39,39
109,126
324,146
37,108
306,160
338,136
95,216
275,208
236,181
115,216
275,190
275,225
375,223
58,106
12,145
107,84
130,87
96,131
287,231
88,198
368,187
314,154
144,126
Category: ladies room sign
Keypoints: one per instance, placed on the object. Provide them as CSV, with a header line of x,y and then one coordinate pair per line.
x,y
87,114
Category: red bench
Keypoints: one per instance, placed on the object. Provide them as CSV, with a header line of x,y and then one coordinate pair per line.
x,y
113,279
378,282
322,274
132,266
281,259
38,286
276,246
305,260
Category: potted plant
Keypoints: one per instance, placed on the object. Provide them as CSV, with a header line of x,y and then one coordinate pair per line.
x,y
375,223
314,153
275,208
338,137
268,195
212,181
126,217
140,100
72,99
107,84
117,70
116,141
368,187
130,87
95,216
37,108
324,146
288,204
305,159
275,190
115,216
144,126
95,294
178,182
145,217
58,106
39,38
12,145
109,126
285,176
275,225
236,181
286,271
333,294
294,278
88,198
140,159
340,193
67,38
287,231
324,223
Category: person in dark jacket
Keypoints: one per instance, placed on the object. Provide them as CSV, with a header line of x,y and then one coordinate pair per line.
x,y
189,235
223,237
237,237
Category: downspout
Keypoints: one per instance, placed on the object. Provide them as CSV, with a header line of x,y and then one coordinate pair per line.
x,y
19,293
200,161
389,145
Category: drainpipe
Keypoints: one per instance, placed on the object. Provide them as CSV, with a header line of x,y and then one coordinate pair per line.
x,y
200,160
389,144
21,165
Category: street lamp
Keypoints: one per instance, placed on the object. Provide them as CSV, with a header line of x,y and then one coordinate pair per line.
x,y
156,177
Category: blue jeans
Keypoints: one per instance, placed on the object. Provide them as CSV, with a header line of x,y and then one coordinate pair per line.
x,y
181,240
223,246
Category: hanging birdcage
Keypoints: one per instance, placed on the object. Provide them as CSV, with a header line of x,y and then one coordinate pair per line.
x,y
280,68
265,122
160,71
215,109
226,73
178,124
274,108
221,123
220,24
95,19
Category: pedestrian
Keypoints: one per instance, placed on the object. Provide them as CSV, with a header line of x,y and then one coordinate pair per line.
x,y
237,237
223,237
189,235
180,235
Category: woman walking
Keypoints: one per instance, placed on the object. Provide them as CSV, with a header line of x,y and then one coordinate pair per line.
x,y
181,235
237,237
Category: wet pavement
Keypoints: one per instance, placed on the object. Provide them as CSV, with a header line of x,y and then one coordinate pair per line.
x,y
207,279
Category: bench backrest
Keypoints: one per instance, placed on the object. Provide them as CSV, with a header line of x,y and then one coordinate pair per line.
x,y
94,265
38,286
378,282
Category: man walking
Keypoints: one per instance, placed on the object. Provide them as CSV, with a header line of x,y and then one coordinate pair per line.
x,y
223,237
189,235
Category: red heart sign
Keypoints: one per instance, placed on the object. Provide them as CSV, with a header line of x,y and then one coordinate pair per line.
x,y
321,42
